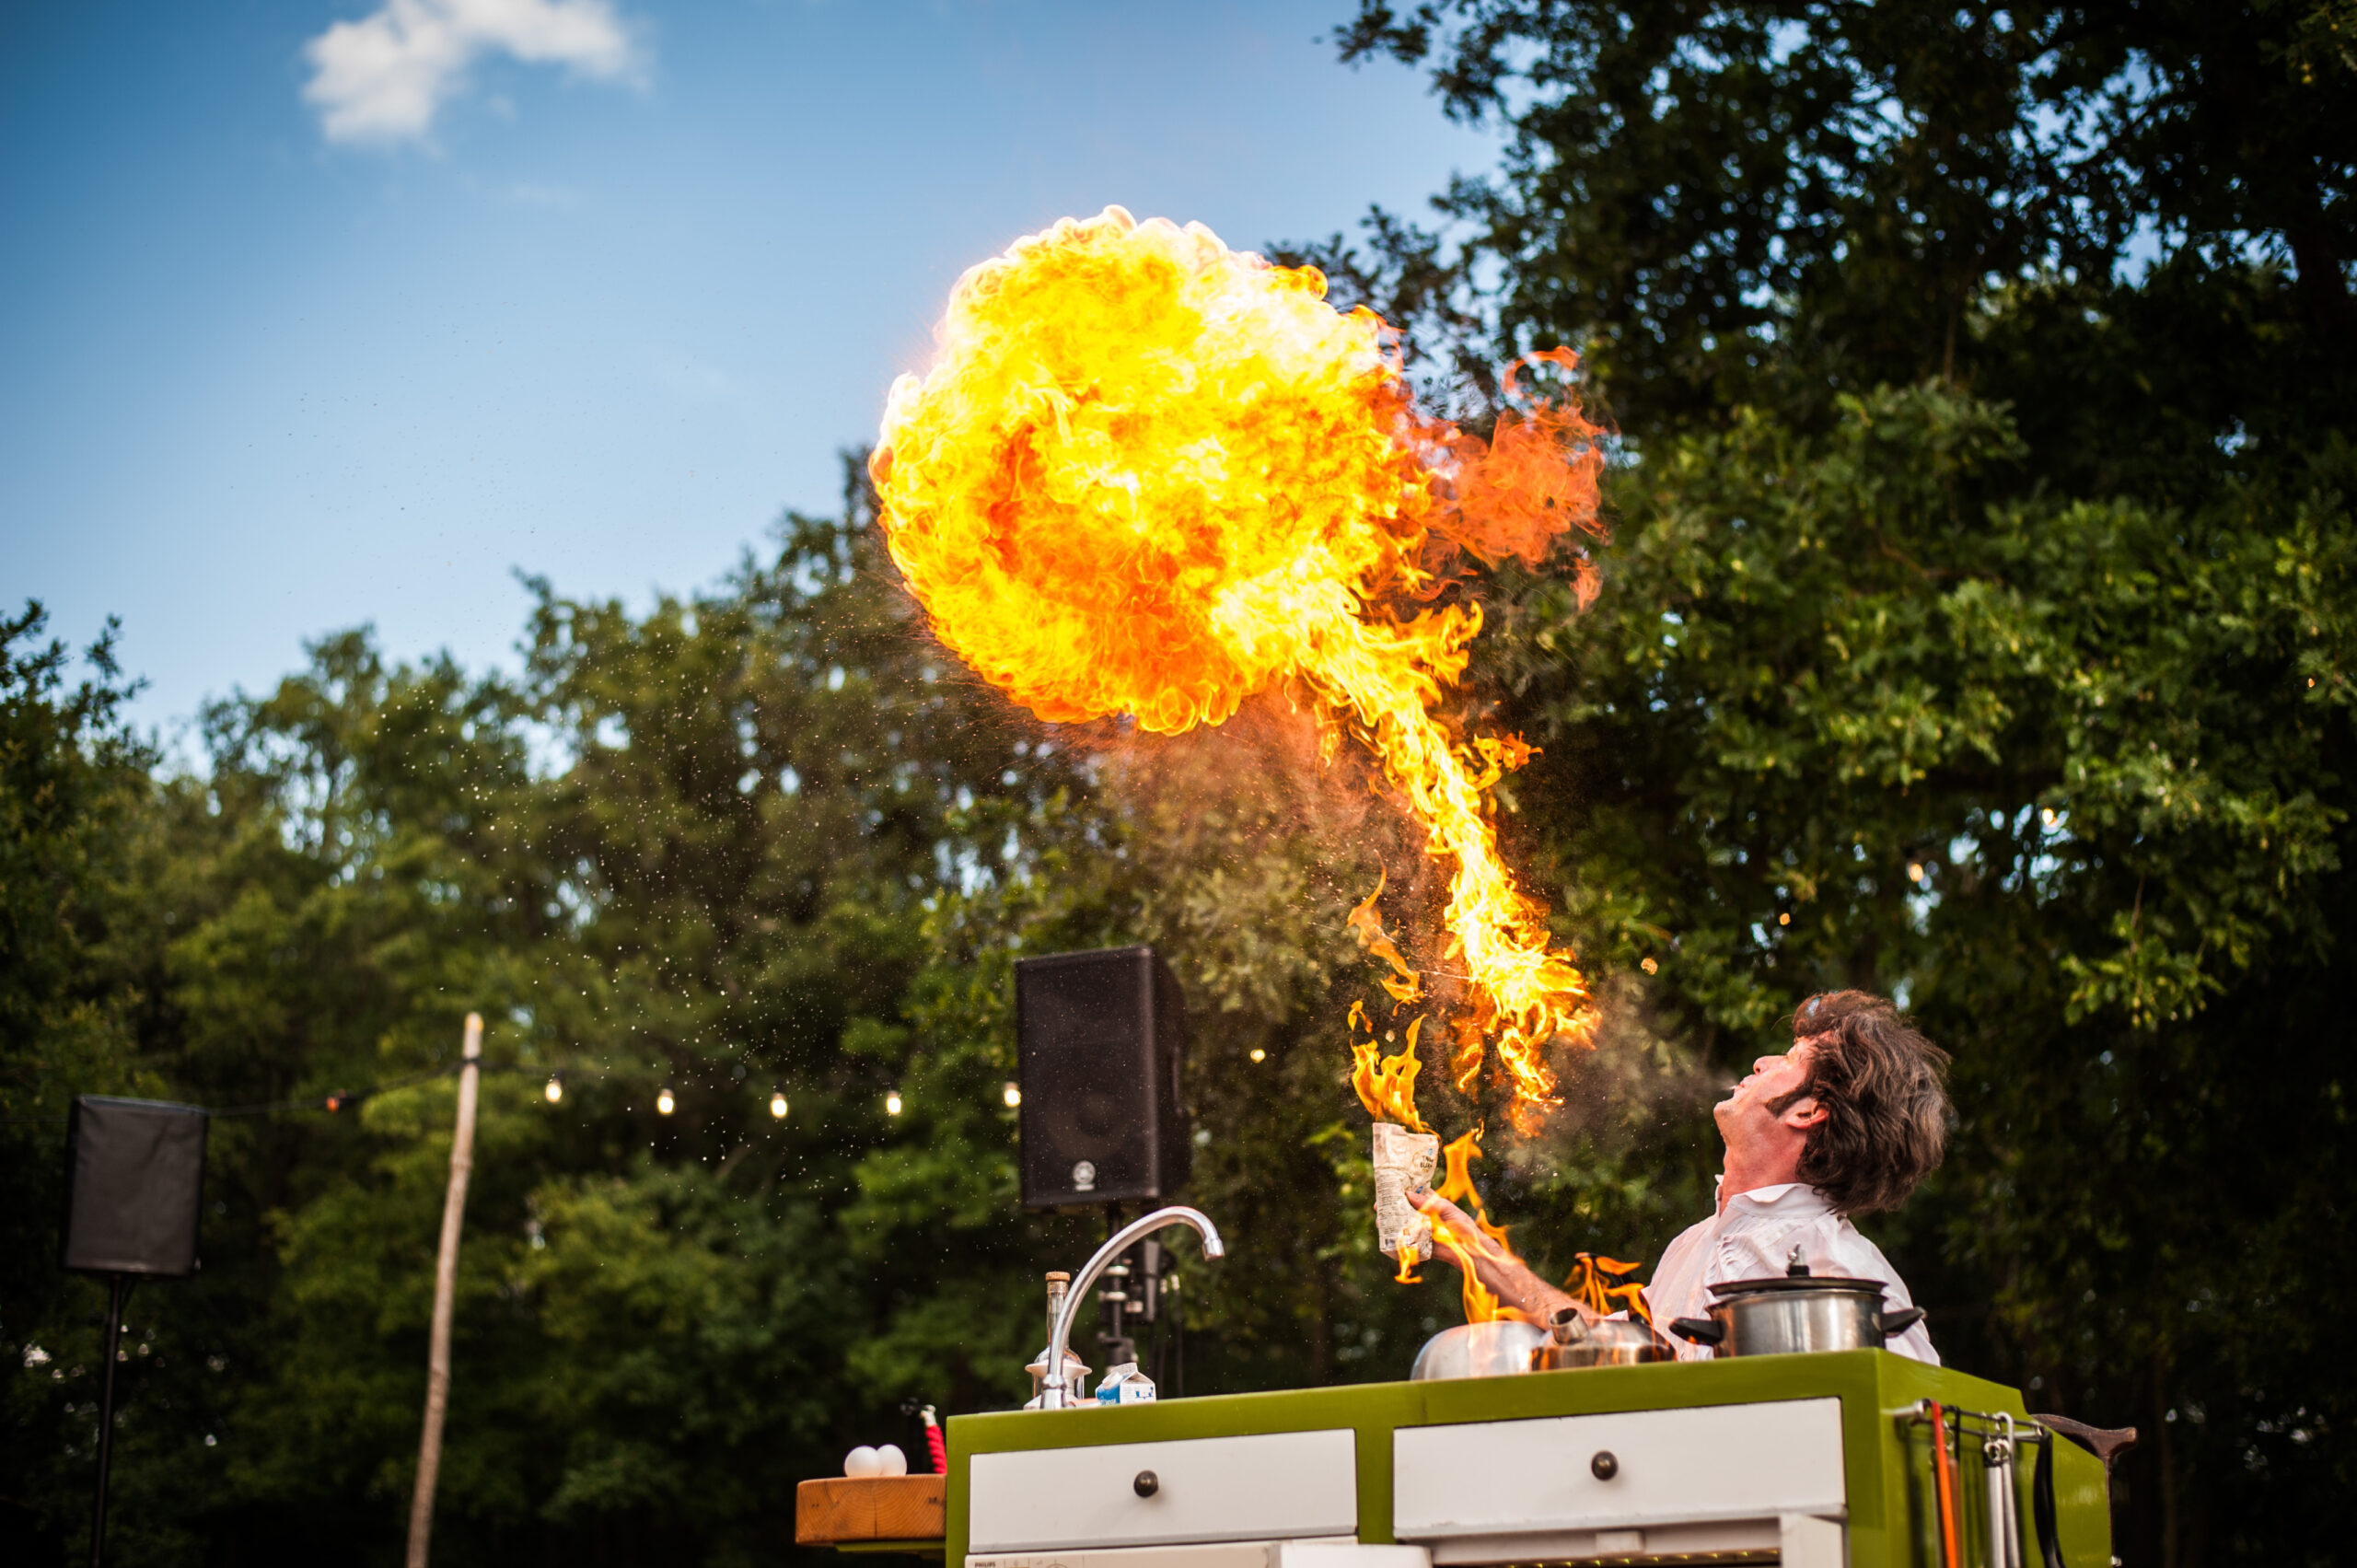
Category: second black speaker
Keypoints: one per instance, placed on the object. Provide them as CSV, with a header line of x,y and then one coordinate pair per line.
x,y
1102,1038
134,1187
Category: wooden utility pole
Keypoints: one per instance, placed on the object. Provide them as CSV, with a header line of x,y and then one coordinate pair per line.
x,y
445,1285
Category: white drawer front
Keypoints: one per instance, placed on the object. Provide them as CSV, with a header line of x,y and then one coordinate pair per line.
x,y
1232,1555
1713,1462
1269,1487
1342,1552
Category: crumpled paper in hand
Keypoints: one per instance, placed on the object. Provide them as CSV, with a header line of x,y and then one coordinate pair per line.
x,y
1404,1163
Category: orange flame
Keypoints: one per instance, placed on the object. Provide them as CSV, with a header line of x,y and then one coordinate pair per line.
x,y
1456,1186
1603,1283
1150,475
1387,1087
1404,984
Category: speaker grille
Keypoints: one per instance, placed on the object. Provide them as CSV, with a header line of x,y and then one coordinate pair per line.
x,y
135,1185
1101,1041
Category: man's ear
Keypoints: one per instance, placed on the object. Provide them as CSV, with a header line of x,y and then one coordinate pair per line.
x,y
1803,1114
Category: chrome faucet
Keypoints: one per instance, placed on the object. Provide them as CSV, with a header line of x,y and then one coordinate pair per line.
x,y
1052,1394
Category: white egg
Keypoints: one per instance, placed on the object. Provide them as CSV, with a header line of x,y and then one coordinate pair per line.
x,y
890,1460
864,1461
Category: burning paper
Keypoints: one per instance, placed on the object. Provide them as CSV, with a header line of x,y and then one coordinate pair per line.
x,y
1150,475
1404,1163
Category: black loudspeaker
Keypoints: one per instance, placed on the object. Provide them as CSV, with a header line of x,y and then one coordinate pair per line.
x,y
134,1182
1101,1038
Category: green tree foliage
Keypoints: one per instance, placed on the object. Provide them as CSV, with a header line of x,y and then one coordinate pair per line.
x,y
72,782
1771,204
1975,629
2073,779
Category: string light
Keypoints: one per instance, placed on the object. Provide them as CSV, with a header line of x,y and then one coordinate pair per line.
x,y
1012,1093
892,1103
555,1091
1259,1054
666,1103
777,1103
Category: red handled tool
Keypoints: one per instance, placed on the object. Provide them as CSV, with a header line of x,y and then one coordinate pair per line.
x,y
933,1443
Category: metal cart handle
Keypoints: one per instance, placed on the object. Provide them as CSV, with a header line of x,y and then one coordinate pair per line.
x,y
2041,1506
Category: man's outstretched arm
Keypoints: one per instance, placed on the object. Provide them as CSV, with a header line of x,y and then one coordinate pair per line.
x,y
1501,1274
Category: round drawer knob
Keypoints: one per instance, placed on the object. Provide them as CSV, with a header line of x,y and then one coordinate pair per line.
x,y
1147,1483
1604,1467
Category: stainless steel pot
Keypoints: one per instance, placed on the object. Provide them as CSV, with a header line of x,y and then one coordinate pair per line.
x,y
1479,1349
1796,1312
1573,1341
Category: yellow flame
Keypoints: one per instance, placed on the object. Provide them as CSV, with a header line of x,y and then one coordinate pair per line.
x,y
1387,1086
1604,1284
1456,1185
1150,475
1404,984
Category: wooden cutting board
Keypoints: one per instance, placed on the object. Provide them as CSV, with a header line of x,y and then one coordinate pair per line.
x,y
841,1509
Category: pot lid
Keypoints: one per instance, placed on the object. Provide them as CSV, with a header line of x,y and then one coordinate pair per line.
x,y
1797,1277
1833,1282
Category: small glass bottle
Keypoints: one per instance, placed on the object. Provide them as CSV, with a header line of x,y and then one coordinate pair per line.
x,y
1059,1286
1075,1369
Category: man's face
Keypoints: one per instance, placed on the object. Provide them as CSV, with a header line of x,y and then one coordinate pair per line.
x,y
1747,1114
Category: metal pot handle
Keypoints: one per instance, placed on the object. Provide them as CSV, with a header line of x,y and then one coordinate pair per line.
x,y
1701,1331
1894,1323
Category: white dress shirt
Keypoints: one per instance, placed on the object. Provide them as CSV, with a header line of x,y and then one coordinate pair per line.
x,y
1751,1237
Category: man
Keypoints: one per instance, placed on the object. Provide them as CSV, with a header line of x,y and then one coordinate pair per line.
x,y
1845,1122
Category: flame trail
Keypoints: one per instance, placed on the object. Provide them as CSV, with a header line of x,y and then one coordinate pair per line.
x,y
1150,475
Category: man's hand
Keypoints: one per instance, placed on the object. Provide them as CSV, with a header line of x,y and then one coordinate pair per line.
x,y
1500,1272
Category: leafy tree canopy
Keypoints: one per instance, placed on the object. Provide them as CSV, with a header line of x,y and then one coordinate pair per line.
x,y
1974,627
1756,203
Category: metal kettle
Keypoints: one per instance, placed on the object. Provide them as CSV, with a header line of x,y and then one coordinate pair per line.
x,y
1573,1341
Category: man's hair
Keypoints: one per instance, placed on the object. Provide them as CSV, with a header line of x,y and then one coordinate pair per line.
x,y
1884,1088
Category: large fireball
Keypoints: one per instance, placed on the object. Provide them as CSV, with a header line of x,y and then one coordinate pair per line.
x,y
1150,475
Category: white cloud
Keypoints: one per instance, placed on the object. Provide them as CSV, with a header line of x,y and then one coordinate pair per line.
x,y
383,77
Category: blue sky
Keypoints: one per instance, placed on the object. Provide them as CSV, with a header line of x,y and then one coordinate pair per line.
x,y
300,331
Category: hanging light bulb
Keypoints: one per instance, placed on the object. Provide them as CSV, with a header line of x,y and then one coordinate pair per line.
x,y
555,1091
777,1103
892,1103
1012,1093
665,1102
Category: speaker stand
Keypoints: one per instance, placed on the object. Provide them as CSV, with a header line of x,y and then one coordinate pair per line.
x,y
1115,1297
118,1287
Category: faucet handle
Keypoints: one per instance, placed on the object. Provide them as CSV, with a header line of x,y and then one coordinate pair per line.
x,y
1075,1374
